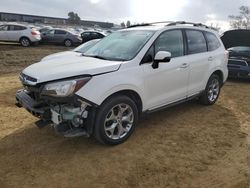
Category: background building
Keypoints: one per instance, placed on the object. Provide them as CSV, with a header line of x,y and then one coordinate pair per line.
x,y
14,17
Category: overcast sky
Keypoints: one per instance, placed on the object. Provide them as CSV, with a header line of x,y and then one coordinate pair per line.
x,y
210,11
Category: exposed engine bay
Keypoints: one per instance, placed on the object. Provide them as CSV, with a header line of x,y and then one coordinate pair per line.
x,y
69,116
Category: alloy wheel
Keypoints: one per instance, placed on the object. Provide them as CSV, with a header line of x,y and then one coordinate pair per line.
x,y
213,90
119,121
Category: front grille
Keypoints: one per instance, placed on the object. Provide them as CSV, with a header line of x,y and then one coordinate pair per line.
x,y
237,62
32,89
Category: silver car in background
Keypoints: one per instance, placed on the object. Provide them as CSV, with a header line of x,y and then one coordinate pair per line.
x,y
72,53
61,36
23,34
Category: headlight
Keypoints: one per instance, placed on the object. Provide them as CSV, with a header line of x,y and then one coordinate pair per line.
x,y
64,88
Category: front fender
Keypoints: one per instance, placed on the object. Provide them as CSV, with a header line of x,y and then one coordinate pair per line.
x,y
101,87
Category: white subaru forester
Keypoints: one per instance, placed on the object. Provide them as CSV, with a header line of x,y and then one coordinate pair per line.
x,y
133,71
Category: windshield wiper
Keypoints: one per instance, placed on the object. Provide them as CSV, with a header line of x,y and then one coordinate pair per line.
x,y
95,56
104,58
98,57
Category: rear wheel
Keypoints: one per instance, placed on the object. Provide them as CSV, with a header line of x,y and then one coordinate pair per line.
x,y
25,42
212,91
68,43
116,120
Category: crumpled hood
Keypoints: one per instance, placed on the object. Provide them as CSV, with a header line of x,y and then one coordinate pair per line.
x,y
67,54
60,68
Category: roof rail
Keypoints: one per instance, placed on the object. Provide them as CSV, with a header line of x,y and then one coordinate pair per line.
x,y
149,24
188,23
171,23
138,25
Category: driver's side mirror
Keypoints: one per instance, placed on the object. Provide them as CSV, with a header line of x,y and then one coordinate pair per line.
x,y
161,57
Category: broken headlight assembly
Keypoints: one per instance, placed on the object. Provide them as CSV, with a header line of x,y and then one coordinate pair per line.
x,y
64,88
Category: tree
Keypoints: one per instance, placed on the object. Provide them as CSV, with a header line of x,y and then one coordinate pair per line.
x,y
215,26
128,23
123,24
241,21
73,18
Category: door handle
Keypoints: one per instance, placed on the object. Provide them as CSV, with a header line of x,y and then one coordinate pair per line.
x,y
210,59
184,65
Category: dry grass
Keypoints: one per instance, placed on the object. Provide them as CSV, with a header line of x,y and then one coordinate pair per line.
x,y
185,146
14,58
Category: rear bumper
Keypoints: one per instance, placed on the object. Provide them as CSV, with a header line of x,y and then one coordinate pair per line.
x,y
24,100
77,42
35,38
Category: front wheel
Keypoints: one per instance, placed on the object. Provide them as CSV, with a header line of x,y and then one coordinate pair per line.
x,y
116,120
212,91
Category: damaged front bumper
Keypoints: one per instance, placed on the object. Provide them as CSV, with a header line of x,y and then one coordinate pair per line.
x,y
72,117
24,100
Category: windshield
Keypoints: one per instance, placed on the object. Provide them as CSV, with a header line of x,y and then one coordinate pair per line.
x,y
120,46
87,45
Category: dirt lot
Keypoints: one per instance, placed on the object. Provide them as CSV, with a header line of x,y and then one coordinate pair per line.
x,y
185,146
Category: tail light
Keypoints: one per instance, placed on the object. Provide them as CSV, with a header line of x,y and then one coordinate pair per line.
x,y
226,56
35,33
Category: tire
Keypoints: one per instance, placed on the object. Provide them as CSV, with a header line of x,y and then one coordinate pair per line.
x,y
25,42
212,91
116,120
68,43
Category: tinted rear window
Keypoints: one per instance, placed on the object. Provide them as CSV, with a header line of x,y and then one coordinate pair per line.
x,y
212,41
16,28
96,35
85,34
60,32
196,42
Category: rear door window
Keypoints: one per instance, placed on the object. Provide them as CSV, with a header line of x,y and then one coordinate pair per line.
x,y
212,41
86,34
196,42
11,28
100,35
94,35
60,32
19,28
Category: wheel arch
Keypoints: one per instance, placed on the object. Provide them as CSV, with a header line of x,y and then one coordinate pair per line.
x,y
131,94
220,74
68,39
23,37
